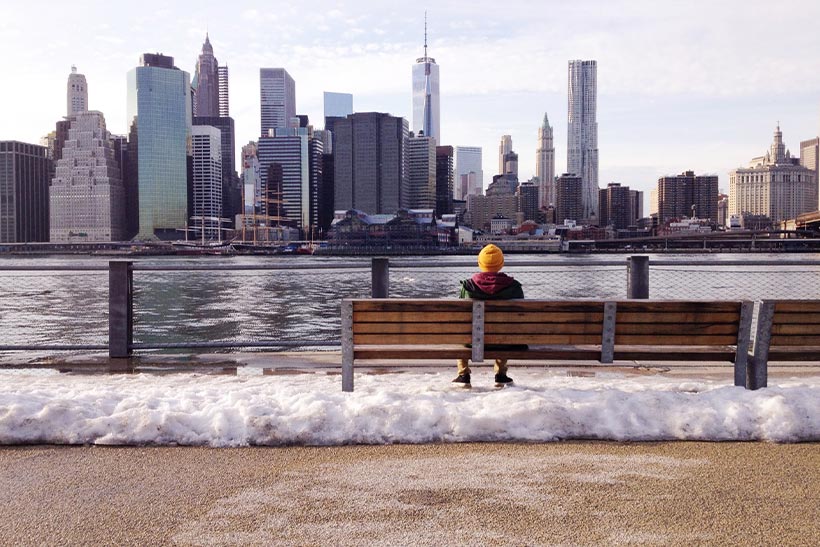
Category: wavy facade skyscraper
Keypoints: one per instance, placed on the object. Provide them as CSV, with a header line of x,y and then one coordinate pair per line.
x,y
582,132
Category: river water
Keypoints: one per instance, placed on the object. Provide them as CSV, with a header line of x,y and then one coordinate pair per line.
x,y
48,305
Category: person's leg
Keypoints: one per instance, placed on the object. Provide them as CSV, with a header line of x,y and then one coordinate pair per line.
x,y
501,377
463,366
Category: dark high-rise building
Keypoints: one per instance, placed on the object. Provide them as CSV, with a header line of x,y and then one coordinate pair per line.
x,y
231,190
278,99
444,180
527,194
24,180
569,198
370,162
300,156
615,206
129,184
636,201
687,195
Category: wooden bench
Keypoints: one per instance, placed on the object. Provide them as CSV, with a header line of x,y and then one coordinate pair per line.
x,y
787,330
389,329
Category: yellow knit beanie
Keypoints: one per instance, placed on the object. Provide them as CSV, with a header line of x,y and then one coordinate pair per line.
x,y
490,259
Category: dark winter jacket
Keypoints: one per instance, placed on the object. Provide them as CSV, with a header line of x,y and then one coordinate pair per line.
x,y
493,286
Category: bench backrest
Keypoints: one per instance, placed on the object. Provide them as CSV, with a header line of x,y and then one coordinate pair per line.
x,y
412,322
793,322
678,323
543,322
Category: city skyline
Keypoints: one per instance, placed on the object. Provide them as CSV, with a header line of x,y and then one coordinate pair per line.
x,y
705,104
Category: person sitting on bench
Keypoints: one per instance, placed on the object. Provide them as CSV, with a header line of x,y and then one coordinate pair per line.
x,y
489,284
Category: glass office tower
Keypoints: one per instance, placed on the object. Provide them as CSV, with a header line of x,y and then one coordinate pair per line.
x,y
159,116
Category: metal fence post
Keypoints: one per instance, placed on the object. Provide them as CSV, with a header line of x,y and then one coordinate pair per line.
x,y
380,278
120,308
637,277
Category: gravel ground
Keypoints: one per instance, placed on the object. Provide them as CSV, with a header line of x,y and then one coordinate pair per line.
x,y
569,493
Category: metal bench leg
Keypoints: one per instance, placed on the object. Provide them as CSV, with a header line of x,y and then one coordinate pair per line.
x,y
347,345
758,372
744,335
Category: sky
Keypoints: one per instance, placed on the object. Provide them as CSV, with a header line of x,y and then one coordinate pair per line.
x,y
402,407
696,84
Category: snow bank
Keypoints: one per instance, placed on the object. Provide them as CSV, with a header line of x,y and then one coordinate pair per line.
x,y
192,409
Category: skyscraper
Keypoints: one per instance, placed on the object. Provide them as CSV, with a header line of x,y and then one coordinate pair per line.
x,y
615,206
582,131
444,180
231,191
299,154
24,172
426,98
568,198
687,195
810,155
278,96
774,185
206,82
77,93
206,187
159,116
224,97
545,165
370,162
504,148
468,161
420,189
87,197
338,105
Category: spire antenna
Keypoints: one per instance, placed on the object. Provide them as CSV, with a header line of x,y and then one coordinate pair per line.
x,y
425,35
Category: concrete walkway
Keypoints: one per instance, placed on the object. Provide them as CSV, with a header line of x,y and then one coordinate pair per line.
x,y
578,493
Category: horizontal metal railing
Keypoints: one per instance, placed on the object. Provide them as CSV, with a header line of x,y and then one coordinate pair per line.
x,y
121,290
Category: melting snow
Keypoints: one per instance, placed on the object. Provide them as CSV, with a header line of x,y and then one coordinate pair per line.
x,y
251,409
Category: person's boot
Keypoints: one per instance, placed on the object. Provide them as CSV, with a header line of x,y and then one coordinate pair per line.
x,y
502,380
462,380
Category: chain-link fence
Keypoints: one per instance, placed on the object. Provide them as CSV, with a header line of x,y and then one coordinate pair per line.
x,y
50,307
539,282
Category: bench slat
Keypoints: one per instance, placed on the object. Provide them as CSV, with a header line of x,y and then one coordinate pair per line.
x,y
781,318
413,352
676,340
537,317
796,328
676,306
529,306
412,317
543,328
677,318
411,339
800,340
674,328
412,328
400,305
799,306
564,339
